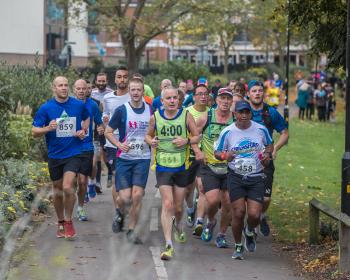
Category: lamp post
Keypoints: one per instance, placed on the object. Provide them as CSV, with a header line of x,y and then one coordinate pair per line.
x,y
286,106
344,232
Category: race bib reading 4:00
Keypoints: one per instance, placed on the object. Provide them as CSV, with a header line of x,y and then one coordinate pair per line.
x,y
66,127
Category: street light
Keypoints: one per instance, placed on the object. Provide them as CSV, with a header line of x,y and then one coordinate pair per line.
x,y
344,233
286,107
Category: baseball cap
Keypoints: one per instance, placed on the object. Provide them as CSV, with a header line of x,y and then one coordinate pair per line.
x,y
222,91
202,82
242,105
253,83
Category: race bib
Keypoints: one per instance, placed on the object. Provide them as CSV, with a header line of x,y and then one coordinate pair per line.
x,y
245,166
137,147
170,159
66,127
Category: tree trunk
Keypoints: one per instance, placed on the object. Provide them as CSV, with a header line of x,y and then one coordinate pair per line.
x,y
226,54
131,59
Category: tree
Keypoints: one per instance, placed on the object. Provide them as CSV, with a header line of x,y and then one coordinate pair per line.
x,y
218,22
137,22
325,21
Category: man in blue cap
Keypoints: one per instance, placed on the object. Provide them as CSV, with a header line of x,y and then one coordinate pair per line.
x,y
272,120
246,146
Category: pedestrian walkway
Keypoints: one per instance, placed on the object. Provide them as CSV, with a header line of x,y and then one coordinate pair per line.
x,y
98,253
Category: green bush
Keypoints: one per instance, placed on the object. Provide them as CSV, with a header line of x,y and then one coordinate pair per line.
x,y
20,181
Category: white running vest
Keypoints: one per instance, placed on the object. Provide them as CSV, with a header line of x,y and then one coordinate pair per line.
x,y
136,127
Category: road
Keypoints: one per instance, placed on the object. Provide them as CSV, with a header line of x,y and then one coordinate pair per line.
x,y
98,253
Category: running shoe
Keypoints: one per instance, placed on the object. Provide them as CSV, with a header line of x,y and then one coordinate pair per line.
x,y
81,213
190,219
118,223
220,241
179,236
250,243
198,229
86,199
60,230
207,233
109,181
98,188
69,231
264,227
167,254
91,191
132,238
238,252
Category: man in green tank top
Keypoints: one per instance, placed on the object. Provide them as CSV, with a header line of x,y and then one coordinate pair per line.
x,y
213,174
171,131
200,108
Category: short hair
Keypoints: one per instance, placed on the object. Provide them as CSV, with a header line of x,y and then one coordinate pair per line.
x,y
240,88
122,68
168,88
136,80
139,76
101,74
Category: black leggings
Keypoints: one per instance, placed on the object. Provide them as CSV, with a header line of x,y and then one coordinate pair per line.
x,y
321,111
301,113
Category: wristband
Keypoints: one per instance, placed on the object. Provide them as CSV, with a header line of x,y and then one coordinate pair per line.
x,y
223,155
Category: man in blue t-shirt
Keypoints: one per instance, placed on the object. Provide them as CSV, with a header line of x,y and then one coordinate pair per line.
x,y
64,122
87,155
272,120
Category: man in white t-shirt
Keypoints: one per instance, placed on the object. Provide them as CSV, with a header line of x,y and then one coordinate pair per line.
x,y
247,146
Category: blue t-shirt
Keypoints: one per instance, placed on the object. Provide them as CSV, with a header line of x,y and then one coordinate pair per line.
x,y
60,142
278,122
157,104
96,117
188,101
118,120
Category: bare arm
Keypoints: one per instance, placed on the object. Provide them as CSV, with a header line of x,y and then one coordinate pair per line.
x,y
200,123
282,140
41,131
195,137
111,138
150,136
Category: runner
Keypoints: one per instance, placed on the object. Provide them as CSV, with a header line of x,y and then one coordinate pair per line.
x,y
134,155
168,132
98,94
110,103
63,120
247,146
94,182
157,104
272,120
197,110
80,91
213,173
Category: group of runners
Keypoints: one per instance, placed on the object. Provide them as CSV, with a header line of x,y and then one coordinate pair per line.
x,y
217,158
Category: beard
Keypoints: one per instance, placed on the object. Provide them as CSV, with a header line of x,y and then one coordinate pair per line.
x,y
122,86
101,87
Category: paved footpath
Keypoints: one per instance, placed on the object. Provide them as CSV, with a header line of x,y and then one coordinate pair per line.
x,y
98,253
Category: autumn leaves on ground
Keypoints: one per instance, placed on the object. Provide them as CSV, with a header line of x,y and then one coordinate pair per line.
x,y
309,166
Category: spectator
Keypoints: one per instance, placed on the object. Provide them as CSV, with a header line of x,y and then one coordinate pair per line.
x,y
303,95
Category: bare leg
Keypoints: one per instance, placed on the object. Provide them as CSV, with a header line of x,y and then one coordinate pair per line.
x,y
58,199
82,188
137,195
238,212
226,215
166,193
69,194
